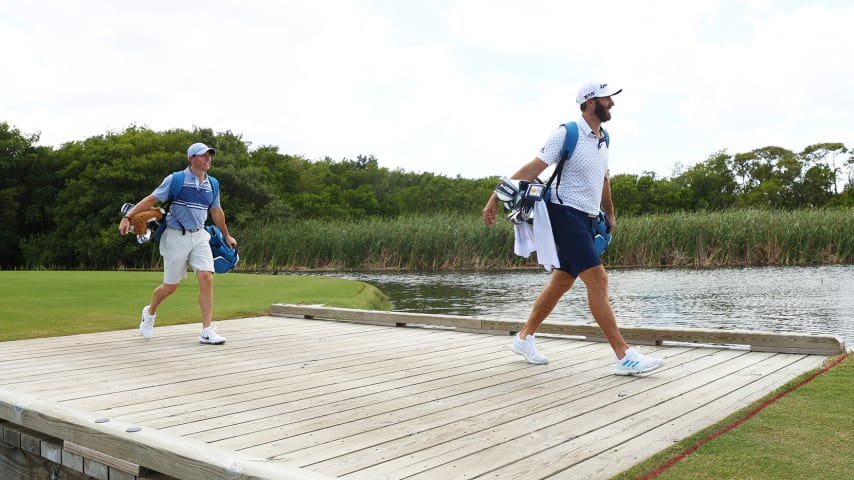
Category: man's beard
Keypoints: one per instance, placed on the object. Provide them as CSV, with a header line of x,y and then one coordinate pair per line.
x,y
601,113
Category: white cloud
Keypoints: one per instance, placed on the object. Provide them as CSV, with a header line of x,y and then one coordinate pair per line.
x,y
474,93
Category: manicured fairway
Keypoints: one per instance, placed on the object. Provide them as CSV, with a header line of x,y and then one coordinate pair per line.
x,y
37,304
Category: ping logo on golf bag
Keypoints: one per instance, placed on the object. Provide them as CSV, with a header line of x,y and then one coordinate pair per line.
x,y
535,191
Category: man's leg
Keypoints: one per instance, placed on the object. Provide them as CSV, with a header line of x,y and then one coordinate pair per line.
x,y
524,343
596,280
205,297
559,283
629,361
174,250
146,325
160,294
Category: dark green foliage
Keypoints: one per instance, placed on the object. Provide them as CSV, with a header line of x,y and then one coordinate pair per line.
x,y
61,206
29,181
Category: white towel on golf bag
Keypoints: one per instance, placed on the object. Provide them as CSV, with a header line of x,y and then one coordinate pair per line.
x,y
537,238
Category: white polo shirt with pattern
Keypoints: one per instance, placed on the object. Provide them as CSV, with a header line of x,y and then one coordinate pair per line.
x,y
583,176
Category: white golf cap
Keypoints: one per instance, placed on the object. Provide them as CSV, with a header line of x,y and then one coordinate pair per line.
x,y
595,90
199,149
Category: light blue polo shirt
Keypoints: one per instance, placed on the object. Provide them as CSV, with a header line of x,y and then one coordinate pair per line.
x,y
189,210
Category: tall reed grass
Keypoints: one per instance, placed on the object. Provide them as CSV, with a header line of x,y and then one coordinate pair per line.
x,y
447,242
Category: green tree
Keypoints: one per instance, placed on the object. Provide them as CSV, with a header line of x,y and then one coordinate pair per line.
x,y
100,174
625,195
29,181
827,154
712,184
815,187
770,175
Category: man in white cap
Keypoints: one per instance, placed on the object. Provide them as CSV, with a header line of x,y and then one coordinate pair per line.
x,y
581,189
185,240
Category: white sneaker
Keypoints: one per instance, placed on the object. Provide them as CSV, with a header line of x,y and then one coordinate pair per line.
x,y
635,363
528,349
146,326
210,337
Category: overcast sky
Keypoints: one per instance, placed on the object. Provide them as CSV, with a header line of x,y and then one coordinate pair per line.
x,y
453,87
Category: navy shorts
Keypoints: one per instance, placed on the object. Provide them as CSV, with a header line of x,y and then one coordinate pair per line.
x,y
573,233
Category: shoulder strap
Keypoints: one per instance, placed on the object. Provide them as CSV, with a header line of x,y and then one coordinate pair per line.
x,y
174,190
570,140
175,187
214,186
569,143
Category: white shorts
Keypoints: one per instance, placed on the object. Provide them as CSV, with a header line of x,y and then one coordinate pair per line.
x,y
179,249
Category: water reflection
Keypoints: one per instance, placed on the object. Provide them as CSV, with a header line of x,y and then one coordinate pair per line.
x,y
779,299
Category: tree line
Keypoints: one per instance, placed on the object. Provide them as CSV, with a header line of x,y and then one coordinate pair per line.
x,y
61,205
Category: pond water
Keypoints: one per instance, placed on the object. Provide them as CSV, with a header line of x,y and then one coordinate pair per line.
x,y
817,300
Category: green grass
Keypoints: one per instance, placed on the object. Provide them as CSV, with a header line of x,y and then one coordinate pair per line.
x,y
461,242
807,434
47,303
735,238
413,242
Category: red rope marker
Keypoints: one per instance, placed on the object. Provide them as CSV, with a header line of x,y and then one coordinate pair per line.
x,y
678,458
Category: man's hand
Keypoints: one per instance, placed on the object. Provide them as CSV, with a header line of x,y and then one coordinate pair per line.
x,y
124,226
612,223
490,211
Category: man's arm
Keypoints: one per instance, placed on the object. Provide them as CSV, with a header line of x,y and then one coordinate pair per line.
x,y
608,205
218,216
528,172
143,205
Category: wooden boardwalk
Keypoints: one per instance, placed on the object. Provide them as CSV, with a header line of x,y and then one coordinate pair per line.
x,y
296,398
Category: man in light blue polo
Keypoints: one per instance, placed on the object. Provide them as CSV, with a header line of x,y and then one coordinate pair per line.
x,y
581,189
185,240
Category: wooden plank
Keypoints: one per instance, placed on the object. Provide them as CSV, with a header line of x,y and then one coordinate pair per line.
x,y
345,398
158,363
51,449
403,430
17,464
385,318
115,474
615,460
102,458
621,437
260,418
569,435
24,438
96,470
31,441
11,435
406,406
173,456
318,377
511,426
72,461
56,359
766,341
